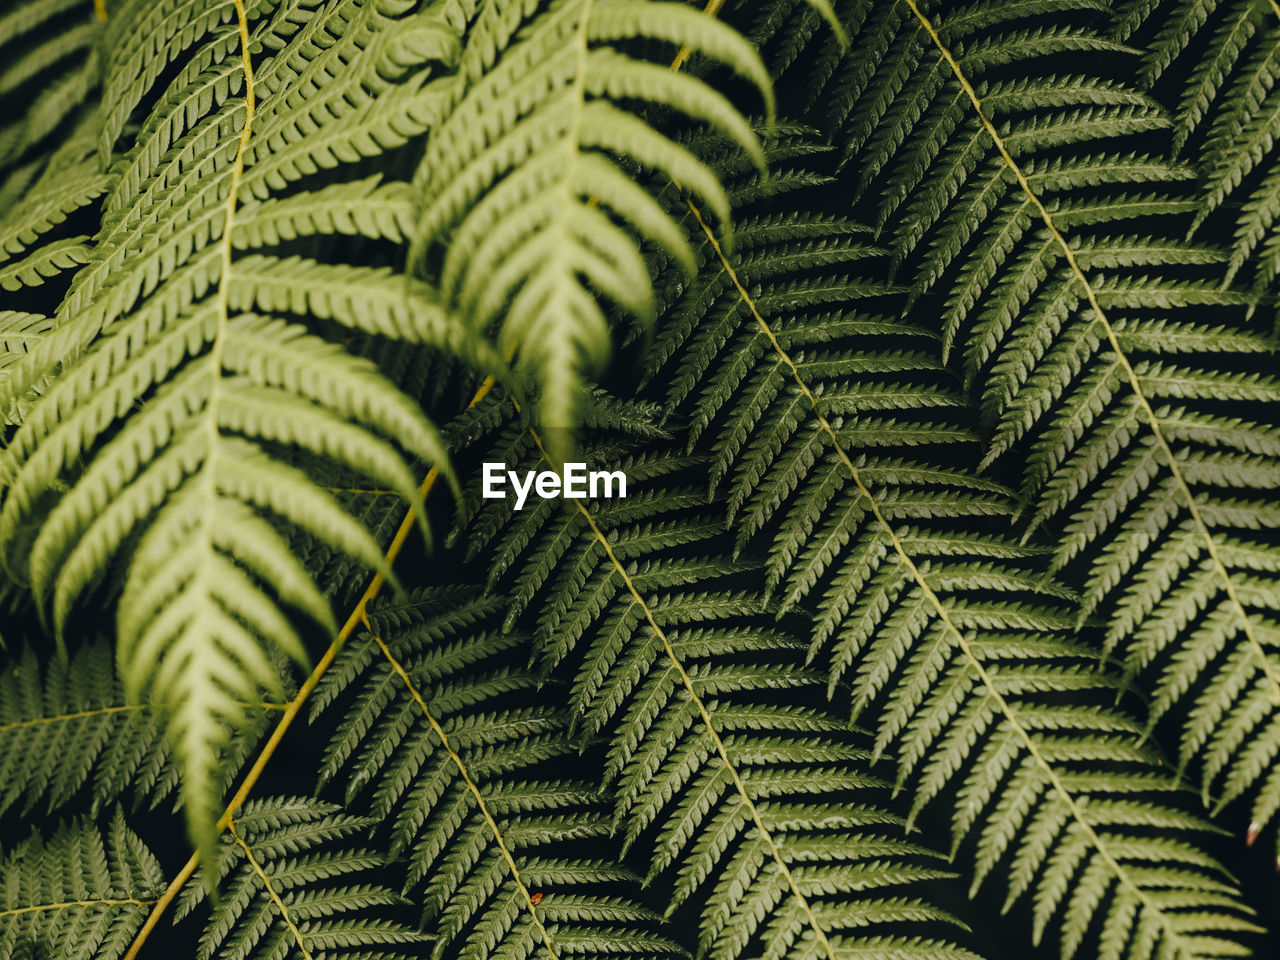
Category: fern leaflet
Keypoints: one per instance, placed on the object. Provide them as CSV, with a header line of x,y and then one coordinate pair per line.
x,y
520,187
674,671
166,312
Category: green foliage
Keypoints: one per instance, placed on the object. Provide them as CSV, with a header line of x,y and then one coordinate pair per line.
x,y
948,412
158,311
519,181
43,198
80,894
757,808
50,68
954,644
290,879
439,736
1216,61
66,727
156,394
1101,360
68,724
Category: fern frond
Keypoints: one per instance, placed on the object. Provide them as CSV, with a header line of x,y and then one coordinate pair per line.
x,y
50,68
66,726
445,739
1088,346
80,894
728,792
239,282
19,332
1156,507
929,179
955,644
69,182
160,438
521,192
1217,60
292,882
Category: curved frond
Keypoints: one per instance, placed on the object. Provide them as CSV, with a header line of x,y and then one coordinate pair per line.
x,y
67,725
70,181
956,644
521,193
1218,62
175,377
49,70
1119,376
739,796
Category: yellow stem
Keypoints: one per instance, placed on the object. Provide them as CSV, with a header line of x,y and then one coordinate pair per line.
x,y
271,891
944,616
1269,670
471,785
711,9
221,298
68,904
292,708
61,717
708,721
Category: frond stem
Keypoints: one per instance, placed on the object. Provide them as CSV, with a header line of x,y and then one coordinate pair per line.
x,y
68,904
77,715
221,298
458,762
706,717
271,891
944,616
107,711
294,706
1269,670
682,57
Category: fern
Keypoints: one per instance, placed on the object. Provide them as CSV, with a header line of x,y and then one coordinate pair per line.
x,y
496,849
520,187
19,330
1217,61
184,300
51,69
1103,362
954,643
80,894
278,866
729,793
67,726
955,420
160,312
